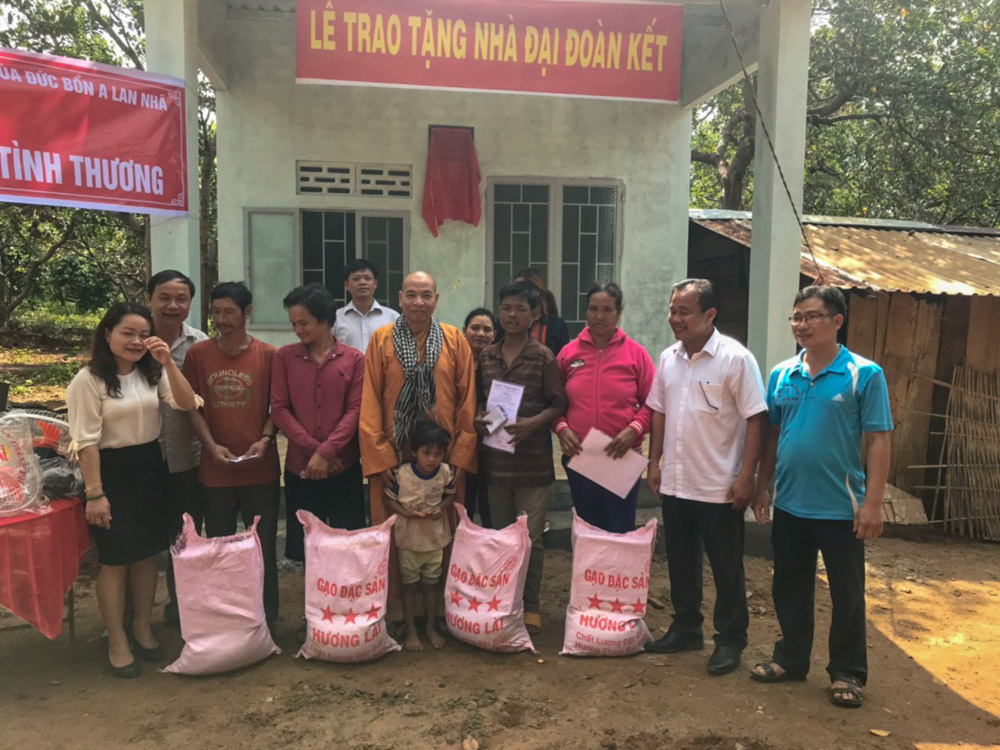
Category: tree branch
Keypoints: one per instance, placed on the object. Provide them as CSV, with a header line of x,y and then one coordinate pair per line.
x,y
703,157
835,103
134,225
109,29
820,120
36,265
744,156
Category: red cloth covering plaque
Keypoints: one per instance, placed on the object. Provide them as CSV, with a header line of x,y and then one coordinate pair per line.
x,y
451,186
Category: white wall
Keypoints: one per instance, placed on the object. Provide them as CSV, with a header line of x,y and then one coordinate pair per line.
x,y
267,122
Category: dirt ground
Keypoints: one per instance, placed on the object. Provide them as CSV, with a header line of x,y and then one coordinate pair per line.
x,y
18,366
934,614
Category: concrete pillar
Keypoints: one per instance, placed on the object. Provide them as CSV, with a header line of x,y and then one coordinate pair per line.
x,y
172,49
782,78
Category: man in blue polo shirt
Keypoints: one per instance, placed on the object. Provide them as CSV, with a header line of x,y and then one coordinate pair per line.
x,y
820,405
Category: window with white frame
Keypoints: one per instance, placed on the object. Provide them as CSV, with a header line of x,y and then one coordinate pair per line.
x,y
569,229
288,247
270,270
332,239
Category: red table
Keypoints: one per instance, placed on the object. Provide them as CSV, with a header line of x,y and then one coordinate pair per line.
x,y
39,562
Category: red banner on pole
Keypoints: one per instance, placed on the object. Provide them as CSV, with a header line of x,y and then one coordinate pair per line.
x,y
605,50
76,133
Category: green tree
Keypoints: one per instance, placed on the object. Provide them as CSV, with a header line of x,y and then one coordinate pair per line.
x,y
723,140
903,115
30,237
110,249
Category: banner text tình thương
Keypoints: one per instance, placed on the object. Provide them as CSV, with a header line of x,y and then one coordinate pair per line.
x,y
86,135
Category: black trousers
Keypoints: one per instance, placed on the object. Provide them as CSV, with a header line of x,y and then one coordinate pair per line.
x,y
184,495
600,507
476,497
224,505
337,501
690,527
796,542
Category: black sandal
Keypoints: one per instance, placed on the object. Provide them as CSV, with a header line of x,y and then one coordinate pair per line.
x,y
771,676
852,689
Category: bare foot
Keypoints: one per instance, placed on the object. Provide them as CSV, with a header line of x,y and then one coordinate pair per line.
x,y
434,637
412,642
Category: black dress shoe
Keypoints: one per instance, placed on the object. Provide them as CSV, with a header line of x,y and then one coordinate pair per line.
x,y
148,654
724,660
672,643
128,672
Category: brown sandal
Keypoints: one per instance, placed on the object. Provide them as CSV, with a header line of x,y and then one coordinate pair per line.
x,y
848,696
769,675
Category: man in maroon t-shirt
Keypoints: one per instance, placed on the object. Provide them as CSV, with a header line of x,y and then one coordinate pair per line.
x,y
239,460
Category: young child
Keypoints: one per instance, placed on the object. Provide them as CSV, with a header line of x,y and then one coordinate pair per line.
x,y
519,482
423,491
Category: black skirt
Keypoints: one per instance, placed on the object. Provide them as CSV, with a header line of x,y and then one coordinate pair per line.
x,y
135,481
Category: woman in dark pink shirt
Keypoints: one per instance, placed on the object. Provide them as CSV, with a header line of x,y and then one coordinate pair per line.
x,y
316,403
607,376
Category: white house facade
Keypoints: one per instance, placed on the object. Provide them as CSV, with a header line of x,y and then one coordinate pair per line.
x,y
312,176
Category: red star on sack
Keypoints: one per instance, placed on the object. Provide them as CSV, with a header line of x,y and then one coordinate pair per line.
x,y
372,613
595,601
456,598
350,617
639,607
494,604
616,606
327,613
474,604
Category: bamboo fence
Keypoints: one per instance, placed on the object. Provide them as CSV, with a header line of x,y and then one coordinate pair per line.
x,y
967,491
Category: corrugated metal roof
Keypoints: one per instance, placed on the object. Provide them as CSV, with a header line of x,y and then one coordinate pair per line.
x,y
868,255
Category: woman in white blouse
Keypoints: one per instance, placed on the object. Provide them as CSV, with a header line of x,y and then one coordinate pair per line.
x,y
114,420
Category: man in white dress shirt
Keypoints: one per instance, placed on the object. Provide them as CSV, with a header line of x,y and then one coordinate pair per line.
x,y
709,417
363,315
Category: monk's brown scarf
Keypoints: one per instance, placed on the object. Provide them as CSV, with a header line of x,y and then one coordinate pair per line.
x,y
419,395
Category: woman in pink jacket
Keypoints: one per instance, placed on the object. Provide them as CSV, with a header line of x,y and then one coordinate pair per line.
x,y
608,376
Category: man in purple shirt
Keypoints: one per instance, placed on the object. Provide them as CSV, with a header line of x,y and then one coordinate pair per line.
x,y
316,402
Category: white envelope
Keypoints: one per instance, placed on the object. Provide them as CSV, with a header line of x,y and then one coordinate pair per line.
x,y
615,475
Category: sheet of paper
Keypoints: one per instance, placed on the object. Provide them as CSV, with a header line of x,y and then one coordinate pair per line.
x,y
495,419
615,475
508,397
242,459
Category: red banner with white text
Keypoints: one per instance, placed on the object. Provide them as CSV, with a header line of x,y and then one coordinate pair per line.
x,y
81,134
606,50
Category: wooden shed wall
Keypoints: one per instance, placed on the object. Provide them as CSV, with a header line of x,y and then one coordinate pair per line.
x,y
982,349
726,264
902,333
916,338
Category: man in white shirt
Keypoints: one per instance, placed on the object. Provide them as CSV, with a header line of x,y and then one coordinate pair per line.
x,y
169,295
363,315
709,417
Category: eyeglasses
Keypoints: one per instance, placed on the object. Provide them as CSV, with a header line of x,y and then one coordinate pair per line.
x,y
809,318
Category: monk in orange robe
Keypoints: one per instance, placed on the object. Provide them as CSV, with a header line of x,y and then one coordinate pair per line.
x,y
384,444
